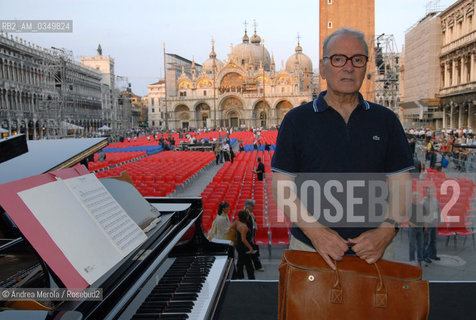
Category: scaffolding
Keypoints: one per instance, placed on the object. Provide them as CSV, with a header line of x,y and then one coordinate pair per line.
x,y
68,104
53,104
387,82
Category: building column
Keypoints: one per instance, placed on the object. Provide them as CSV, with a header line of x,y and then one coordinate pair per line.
x,y
31,103
454,73
35,134
447,74
3,102
464,69
27,129
444,117
2,71
470,110
460,116
16,100
452,110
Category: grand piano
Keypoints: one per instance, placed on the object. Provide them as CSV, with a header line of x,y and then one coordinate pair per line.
x,y
177,273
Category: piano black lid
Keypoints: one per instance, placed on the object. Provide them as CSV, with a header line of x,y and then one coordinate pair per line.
x,y
49,155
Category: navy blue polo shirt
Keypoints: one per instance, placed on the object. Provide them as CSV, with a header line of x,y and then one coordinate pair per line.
x,y
314,138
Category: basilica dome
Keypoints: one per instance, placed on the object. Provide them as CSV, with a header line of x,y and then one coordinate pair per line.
x,y
207,66
251,54
299,59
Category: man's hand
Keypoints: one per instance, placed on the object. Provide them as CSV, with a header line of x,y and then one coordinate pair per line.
x,y
327,243
371,244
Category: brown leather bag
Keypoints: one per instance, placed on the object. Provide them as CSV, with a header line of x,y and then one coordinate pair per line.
x,y
310,289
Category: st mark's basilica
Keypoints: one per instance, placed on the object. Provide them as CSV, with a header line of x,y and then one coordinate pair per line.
x,y
249,90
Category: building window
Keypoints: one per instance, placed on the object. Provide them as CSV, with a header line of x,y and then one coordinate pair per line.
x,y
329,25
329,1
152,101
204,92
153,110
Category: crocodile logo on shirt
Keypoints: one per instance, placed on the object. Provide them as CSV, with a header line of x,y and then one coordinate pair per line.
x,y
376,138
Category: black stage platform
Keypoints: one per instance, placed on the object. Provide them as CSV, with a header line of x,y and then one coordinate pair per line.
x,y
259,300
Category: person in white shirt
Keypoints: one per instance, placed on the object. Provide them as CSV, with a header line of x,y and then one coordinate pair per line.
x,y
221,224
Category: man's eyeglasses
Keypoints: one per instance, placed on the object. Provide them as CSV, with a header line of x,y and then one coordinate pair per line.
x,y
339,60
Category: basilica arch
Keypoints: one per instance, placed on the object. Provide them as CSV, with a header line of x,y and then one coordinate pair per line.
x,y
282,108
202,114
261,114
231,111
233,118
182,116
232,82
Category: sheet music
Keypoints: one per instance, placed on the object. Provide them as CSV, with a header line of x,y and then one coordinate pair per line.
x,y
86,223
122,230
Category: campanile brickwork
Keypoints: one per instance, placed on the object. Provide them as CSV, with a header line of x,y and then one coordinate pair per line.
x,y
355,14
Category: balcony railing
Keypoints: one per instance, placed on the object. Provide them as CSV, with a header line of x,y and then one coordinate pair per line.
x,y
458,89
463,41
246,96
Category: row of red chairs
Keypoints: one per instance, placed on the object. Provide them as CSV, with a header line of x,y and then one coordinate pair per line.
x,y
248,137
159,174
113,158
235,183
151,139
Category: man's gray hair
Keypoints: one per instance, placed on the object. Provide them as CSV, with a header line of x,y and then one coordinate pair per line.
x,y
249,202
342,32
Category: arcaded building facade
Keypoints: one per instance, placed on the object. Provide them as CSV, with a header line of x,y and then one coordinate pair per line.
x,y
457,65
44,93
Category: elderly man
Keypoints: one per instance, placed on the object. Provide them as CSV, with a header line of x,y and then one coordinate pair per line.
x,y
340,132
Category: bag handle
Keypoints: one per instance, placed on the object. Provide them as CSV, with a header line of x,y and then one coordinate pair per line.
x,y
380,292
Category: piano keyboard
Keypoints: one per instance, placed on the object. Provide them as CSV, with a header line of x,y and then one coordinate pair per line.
x,y
186,290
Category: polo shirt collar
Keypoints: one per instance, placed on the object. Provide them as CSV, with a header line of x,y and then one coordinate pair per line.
x,y
321,105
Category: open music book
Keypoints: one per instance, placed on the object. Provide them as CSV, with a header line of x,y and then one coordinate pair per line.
x,y
85,222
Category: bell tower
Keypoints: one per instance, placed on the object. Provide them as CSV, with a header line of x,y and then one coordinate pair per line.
x,y
358,15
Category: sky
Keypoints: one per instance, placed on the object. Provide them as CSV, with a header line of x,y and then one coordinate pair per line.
x,y
133,32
